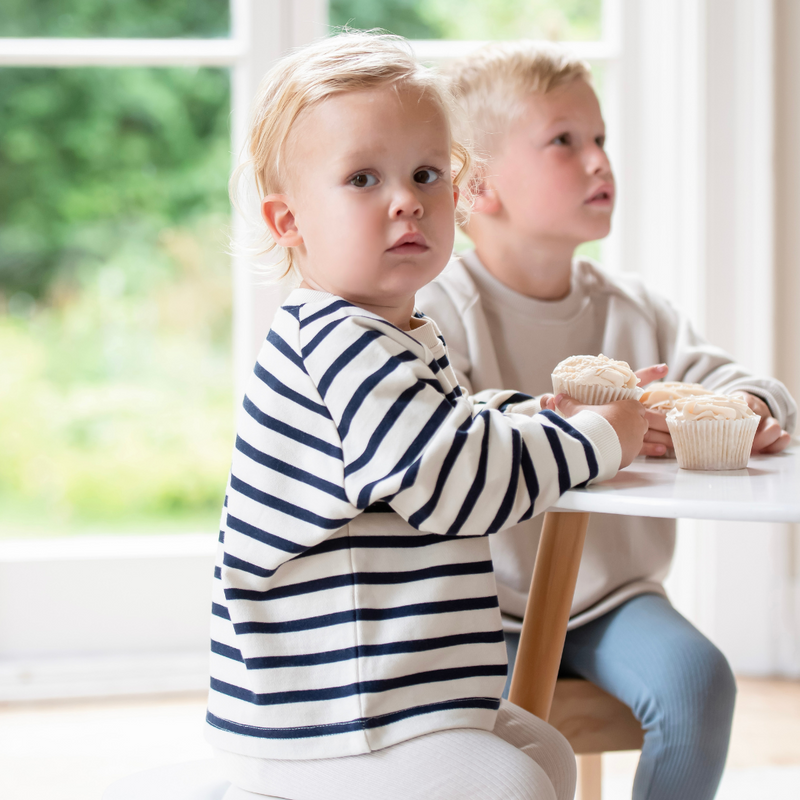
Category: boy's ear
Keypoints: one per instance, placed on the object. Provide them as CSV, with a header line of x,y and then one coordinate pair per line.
x,y
278,215
486,200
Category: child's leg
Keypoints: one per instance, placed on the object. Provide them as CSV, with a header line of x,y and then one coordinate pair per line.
x,y
678,685
522,759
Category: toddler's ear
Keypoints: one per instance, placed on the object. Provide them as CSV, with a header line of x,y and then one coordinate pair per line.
x,y
280,220
486,199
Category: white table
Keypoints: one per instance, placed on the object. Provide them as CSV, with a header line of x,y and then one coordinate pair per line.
x,y
768,490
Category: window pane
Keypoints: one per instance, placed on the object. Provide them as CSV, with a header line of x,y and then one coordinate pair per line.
x,y
128,18
567,20
115,302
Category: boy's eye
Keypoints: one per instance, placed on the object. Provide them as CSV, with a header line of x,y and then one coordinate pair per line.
x,y
363,180
600,141
426,175
562,139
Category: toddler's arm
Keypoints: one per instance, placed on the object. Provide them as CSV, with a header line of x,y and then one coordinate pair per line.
x,y
443,464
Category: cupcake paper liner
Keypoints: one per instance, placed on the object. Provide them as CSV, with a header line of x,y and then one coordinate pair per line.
x,y
593,393
706,444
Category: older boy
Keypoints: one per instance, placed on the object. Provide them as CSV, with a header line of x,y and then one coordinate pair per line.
x,y
517,305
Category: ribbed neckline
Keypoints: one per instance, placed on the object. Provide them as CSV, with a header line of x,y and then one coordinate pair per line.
x,y
503,299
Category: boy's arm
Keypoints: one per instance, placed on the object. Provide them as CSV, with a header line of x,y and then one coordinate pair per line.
x,y
694,360
442,464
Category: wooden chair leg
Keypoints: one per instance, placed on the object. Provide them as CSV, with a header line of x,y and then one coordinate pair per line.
x,y
544,628
590,777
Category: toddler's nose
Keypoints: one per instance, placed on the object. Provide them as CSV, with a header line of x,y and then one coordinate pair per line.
x,y
405,203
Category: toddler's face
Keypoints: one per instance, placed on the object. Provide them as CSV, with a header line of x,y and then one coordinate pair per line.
x,y
552,173
372,195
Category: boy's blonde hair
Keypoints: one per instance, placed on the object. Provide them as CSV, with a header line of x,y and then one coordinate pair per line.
x,y
347,62
492,83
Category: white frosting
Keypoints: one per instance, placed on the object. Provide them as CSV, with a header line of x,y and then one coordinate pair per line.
x,y
710,406
596,370
662,396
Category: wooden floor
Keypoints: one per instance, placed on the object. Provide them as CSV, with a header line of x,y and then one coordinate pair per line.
x,y
72,751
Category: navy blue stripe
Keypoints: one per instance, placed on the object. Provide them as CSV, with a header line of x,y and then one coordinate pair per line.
x,y
309,348
360,651
365,723
361,687
290,394
417,446
284,349
531,481
285,507
380,542
511,492
221,537
361,578
591,459
217,572
368,615
443,362
293,310
271,539
245,566
367,386
220,611
331,309
290,470
381,507
478,482
418,517
383,428
517,397
564,481
290,432
345,358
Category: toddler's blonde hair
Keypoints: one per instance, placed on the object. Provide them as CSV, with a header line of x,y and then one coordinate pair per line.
x,y
492,83
347,62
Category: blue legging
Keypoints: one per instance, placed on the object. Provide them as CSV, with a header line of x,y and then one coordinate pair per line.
x,y
677,683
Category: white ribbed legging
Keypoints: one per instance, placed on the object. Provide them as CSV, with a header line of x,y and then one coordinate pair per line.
x,y
523,758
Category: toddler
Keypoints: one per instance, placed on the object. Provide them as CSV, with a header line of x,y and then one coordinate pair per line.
x,y
357,648
514,307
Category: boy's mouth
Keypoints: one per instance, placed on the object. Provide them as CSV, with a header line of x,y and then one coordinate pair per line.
x,y
605,194
409,243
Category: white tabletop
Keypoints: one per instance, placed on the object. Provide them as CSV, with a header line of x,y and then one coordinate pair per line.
x,y
768,490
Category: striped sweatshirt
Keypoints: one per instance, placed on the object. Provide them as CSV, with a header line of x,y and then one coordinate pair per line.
x,y
354,603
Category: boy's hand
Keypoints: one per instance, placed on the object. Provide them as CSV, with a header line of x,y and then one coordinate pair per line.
x,y
657,438
627,418
769,436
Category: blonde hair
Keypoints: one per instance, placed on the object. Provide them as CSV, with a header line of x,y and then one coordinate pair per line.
x,y
347,62
492,84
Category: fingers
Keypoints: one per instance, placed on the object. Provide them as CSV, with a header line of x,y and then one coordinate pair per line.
x,y
756,404
768,434
650,374
567,405
657,437
547,401
652,449
657,421
781,443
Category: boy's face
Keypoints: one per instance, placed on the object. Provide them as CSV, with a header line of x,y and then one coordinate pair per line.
x,y
551,173
371,191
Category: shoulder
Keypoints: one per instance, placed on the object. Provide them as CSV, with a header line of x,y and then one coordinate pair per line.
x,y
629,293
453,290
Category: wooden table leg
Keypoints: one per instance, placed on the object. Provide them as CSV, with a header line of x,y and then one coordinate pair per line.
x,y
544,628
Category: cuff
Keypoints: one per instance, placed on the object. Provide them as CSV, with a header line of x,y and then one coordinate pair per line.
x,y
603,438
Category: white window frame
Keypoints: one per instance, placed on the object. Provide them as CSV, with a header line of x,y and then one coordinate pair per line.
x,y
674,191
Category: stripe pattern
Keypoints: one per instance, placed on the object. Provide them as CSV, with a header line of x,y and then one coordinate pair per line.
x,y
354,603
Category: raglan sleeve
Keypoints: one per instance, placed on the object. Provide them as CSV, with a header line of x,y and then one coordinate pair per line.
x,y
445,464
693,359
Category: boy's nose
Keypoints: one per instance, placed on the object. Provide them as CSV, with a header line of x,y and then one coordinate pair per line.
x,y
598,162
405,203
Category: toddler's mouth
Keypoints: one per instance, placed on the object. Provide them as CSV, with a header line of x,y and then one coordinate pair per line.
x,y
409,243
603,195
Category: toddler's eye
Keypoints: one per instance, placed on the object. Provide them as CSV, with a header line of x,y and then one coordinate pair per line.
x,y
363,180
562,139
600,141
426,175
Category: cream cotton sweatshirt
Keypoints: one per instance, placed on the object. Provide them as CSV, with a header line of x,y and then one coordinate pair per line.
x,y
498,338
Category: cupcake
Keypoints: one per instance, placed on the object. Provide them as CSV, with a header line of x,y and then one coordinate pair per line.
x,y
595,380
712,431
661,397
